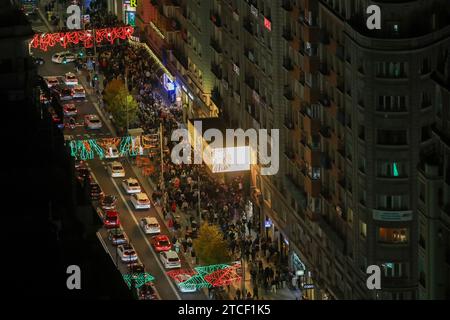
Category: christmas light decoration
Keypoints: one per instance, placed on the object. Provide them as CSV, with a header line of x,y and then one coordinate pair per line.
x,y
139,279
45,40
223,277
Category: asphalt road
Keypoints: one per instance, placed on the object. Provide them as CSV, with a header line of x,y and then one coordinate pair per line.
x,y
128,216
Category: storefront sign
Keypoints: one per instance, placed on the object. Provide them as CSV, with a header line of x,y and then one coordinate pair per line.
x,y
308,286
268,223
169,85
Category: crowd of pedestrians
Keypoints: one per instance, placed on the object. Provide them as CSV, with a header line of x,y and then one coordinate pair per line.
x,y
191,189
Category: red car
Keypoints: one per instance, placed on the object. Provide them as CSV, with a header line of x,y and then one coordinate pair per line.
x,y
161,242
111,219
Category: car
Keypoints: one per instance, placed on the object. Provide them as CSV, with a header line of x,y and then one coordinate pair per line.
x,y
79,92
63,57
150,225
38,61
95,191
51,81
147,292
111,152
70,79
131,185
160,243
83,173
170,259
137,268
116,169
92,121
117,236
108,202
63,92
111,219
127,253
179,279
70,109
140,200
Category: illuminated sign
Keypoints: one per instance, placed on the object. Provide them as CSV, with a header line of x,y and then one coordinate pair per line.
x,y
268,223
382,215
267,24
131,18
308,286
228,159
168,84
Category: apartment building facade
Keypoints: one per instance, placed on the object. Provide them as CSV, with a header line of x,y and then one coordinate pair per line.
x,y
355,109
434,197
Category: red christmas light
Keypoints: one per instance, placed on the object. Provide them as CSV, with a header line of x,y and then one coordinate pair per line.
x,y
223,277
45,40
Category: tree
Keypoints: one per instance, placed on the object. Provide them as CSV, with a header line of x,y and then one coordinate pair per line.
x,y
112,89
210,247
118,107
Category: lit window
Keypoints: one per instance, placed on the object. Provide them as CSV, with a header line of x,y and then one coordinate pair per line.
x,y
393,235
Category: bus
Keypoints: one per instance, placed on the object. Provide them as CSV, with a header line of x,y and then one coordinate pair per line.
x,y
29,6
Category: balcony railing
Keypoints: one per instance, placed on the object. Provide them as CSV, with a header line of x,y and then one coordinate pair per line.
x,y
287,34
215,68
287,64
215,18
287,5
216,45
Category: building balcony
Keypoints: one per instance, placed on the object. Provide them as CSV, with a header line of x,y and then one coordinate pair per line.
x,y
332,78
311,64
288,122
287,34
250,82
181,58
325,161
287,64
311,125
312,186
311,95
324,100
249,26
289,152
310,33
312,156
216,98
325,132
216,20
216,45
294,188
288,93
216,70
287,5
323,69
324,37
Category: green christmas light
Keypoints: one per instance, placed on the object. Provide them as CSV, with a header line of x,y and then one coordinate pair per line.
x,y
204,270
395,169
196,281
139,279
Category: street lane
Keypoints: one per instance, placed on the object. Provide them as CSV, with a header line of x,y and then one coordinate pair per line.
x,y
129,217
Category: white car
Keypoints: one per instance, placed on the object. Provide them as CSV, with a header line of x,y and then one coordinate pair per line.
x,y
170,259
184,288
127,253
51,81
92,121
131,185
150,225
79,92
70,109
140,201
116,170
63,57
70,79
111,152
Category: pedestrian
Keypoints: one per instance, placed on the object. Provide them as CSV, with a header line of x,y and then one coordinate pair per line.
x,y
255,292
274,286
249,296
238,294
193,257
